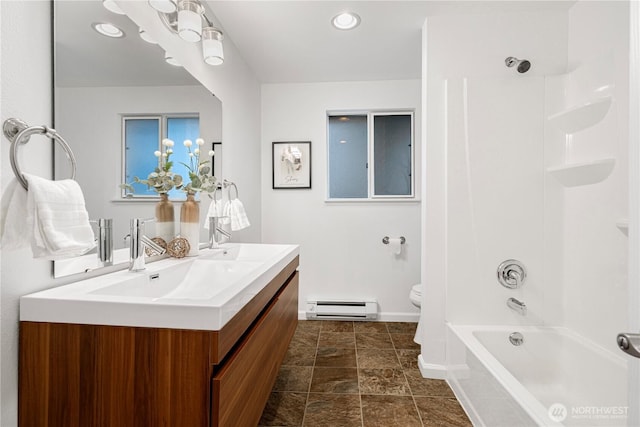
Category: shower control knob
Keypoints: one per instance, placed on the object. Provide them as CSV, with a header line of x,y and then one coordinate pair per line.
x,y
511,274
629,343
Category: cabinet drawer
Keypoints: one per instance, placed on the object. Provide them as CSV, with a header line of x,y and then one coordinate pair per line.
x,y
242,387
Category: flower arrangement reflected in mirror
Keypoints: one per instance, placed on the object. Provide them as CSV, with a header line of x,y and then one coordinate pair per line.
x,y
200,180
199,169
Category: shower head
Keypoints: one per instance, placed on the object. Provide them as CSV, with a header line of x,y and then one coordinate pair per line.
x,y
522,65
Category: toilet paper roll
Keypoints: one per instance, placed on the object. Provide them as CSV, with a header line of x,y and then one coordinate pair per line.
x,y
395,245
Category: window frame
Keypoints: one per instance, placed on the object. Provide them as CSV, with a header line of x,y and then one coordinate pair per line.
x,y
163,122
370,114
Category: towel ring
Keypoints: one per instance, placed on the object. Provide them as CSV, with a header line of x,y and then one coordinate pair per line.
x,y
18,132
231,184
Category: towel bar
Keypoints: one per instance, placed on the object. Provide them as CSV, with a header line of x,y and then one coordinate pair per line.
x,y
18,132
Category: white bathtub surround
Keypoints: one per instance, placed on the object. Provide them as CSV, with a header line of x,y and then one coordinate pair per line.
x,y
553,368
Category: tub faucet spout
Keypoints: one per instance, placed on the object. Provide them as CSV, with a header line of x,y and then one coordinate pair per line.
x,y
516,305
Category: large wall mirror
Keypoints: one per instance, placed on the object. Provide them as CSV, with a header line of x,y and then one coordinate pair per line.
x,y
98,80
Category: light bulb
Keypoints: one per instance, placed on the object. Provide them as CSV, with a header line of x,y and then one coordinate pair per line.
x,y
212,50
190,20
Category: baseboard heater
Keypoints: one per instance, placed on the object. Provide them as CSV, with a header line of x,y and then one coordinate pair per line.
x,y
342,310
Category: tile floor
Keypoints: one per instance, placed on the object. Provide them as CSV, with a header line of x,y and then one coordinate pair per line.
x,y
358,374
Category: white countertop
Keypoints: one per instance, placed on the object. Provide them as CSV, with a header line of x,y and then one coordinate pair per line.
x,y
202,292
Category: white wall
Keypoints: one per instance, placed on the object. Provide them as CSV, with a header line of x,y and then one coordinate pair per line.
x,y
474,47
340,243
26,93
99,156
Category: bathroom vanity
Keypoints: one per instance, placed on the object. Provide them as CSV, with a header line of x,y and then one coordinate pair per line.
x,y
192,342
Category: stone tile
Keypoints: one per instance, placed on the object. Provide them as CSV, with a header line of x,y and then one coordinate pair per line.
x,y
402,327
369,340
426,386
334,380
333,410
300,355
336,357
336,326
293,378
371,327
377,358
438,411
408,358
305,338
284,410
404,341
383,381
389,411
337,339
309,325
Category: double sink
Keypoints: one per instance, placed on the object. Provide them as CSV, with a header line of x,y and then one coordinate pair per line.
x,y
201,293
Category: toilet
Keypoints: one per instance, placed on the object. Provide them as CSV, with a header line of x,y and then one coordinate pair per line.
x,y
415,296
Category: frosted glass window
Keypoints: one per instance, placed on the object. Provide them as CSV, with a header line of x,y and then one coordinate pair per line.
x,y
370,155
392,144
143,136
348,157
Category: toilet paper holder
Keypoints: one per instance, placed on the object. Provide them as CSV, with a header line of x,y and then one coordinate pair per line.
x,y
385,240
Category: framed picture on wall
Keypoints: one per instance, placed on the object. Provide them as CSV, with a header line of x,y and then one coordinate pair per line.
x,y
291,163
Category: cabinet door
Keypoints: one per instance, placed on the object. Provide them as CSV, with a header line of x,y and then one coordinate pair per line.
x,y
242,387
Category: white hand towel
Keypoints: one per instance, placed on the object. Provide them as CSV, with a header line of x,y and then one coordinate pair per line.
x,y
239,220
14,233
57,215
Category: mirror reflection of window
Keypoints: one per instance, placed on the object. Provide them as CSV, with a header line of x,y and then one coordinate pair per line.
x,y
143,136
370,155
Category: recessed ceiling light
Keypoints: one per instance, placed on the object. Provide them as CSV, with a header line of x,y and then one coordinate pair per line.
x,y
343,141
112,6
346,21
107,29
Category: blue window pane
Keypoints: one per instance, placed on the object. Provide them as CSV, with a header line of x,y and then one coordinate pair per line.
x,y
141,137
348,157
179,129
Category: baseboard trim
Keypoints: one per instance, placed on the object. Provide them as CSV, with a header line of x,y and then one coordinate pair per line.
x,y
431,370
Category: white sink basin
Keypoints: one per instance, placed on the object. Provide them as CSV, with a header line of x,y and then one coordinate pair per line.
x,y
202,292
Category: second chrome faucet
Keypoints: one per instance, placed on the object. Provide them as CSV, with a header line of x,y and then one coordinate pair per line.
x,y
137,243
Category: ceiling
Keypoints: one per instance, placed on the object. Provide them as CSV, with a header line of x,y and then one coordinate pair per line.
x,y
294,41
282,41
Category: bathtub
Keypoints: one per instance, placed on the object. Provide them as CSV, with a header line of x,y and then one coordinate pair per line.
x,y
554,378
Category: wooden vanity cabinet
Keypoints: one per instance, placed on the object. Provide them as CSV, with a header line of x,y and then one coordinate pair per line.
x,y
95,375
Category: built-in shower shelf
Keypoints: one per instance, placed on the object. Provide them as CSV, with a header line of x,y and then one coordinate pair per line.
x,y
581,117
623,225
583,173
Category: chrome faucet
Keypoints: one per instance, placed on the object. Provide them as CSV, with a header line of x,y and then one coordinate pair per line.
x,y
137,243
516,305
217,234
104,240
